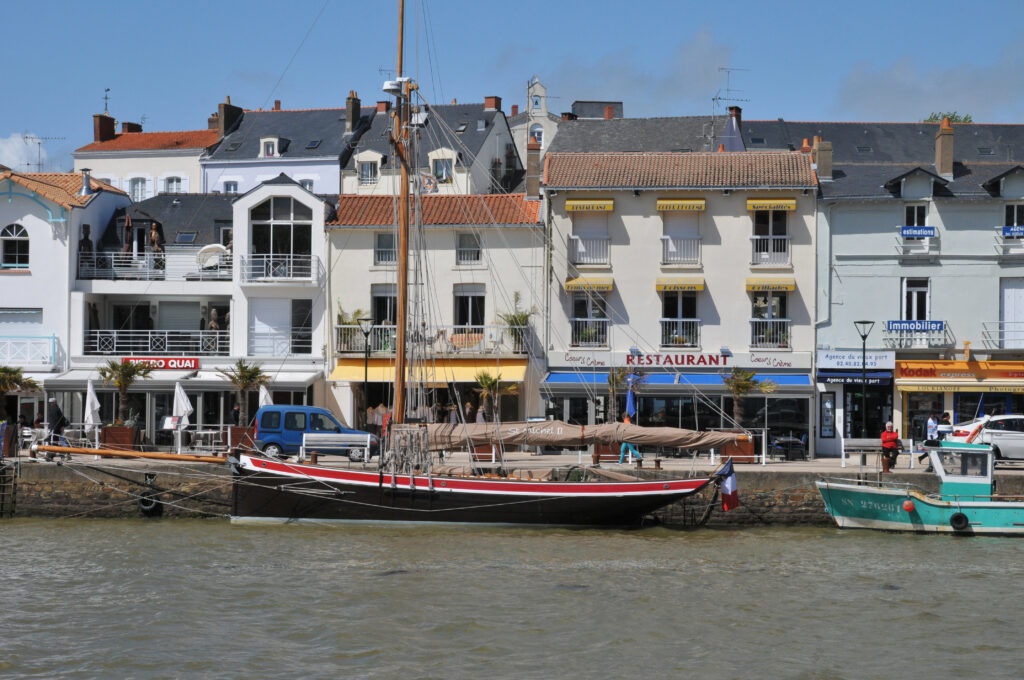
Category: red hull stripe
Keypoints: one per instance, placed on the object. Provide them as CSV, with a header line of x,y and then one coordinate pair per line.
x,y
484,486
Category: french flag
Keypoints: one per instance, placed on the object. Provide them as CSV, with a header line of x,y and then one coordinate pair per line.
x,y
730,496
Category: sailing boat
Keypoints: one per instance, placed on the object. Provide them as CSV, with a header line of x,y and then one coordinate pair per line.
x,y
409,486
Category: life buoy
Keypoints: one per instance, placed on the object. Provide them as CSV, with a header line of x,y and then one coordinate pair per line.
x,y
150,504
958,521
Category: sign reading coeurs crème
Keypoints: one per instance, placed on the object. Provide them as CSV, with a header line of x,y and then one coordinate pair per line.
x,y
165,363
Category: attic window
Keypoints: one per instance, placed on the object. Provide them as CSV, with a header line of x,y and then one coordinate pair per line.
x,y
863,149
481,125
233,146
462,127
185,237
313,144
757,140
986,151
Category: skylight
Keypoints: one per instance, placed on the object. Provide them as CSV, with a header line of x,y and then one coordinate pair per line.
x,y
863,149
986,151
233,146
462,127
313,144
757,140
185,237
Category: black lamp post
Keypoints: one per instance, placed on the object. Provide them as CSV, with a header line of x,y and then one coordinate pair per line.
x,y
864,329
366,326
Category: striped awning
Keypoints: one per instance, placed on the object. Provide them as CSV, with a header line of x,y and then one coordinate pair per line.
x,y
771,204
771,285
592,205
670,284
600,284
681,204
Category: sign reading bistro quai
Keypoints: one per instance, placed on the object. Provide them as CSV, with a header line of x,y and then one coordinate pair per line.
x,y
165,363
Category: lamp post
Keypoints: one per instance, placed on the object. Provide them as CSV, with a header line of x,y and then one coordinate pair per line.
x,y
366,326
863,329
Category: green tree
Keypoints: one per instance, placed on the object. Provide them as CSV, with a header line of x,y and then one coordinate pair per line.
x,y
741,382
123,376
491,389
352,319
518,321
245,377
11,379
953,116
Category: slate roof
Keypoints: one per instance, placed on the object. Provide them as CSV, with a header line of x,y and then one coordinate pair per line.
x,y
300,127
474,209
148,141
595,109
60,187
678,133
772,169
201,213
439,131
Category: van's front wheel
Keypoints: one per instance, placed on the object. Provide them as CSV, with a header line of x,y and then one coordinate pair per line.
x,y
273,451
358,455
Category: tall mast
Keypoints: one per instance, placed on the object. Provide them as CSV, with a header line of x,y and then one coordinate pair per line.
x,y
400,140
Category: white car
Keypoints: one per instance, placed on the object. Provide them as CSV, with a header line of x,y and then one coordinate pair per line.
x,y
1005,434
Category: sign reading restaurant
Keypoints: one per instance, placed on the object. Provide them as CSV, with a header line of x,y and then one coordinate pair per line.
x,y
676,359
165,363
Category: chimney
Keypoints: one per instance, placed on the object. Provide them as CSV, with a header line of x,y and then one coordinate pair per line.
x,y
609,112
721,148
567,115
533,168
277,104
102,127
492,103
823,158
213,122
130,127
227,117
515,109
383,107
86,189
737,113
944,150
454,102
806,146
352,111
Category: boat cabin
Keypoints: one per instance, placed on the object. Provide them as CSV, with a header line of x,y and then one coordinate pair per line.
x,y
963,469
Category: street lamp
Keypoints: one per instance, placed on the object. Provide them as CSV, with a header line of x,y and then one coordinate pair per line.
x,y
366,326
864,329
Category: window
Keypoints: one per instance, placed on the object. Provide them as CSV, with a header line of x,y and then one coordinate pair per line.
x,y
986,151
384,249
916,215
771,241
172,185
462,127
368,172
302,327
590,319
282,237
769,322
863,149
268,149
679,322
271,420
916,300
469,307
295,421
384,300
536,102
757,140
443,169
137,188
537,132
14,247
306,184
467,248
185,237
313,144
318,422
230,187
1014,217
680,241
769,306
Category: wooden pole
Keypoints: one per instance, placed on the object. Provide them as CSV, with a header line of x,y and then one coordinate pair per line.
x,y
133,454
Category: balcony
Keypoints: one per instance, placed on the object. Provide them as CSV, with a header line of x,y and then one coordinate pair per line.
x,y
589,250
22,350
281,343
436,340
681,251
286,268
1002,334
1010,242
589,332
770,334
770,251
917,334
159,342
176,263
680,332
909,245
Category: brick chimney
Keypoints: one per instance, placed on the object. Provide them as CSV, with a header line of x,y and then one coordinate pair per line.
x,y
822,155
352,111
609,112
383,107
227,117
515,109
492,103
102,127
277,104
944,150
737,113
533,168
130,127
567,115
213,122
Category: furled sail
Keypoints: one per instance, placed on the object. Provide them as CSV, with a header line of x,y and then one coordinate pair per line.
x,y
557,433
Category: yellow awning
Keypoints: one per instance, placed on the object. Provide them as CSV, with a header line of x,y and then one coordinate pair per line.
x,y
771,204
680,204
435,374
593,205
680,284
600,284
771,285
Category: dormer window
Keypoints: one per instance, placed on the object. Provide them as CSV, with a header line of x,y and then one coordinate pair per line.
x,y
367,172
444,169
268,149
481,125
271,147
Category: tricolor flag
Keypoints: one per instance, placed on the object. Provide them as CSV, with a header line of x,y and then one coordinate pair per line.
x,y
730,496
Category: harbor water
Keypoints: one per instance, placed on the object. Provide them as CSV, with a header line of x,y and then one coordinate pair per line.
x,y
203,598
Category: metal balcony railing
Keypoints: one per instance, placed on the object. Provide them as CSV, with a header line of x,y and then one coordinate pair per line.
x,y
385,256
917,247
680,332
680,250
1002,334
436,340
293,341
770,333
271,268
1009,246
770,250
23,350
176,263
160,342
467,255
588,250
590,332
931,334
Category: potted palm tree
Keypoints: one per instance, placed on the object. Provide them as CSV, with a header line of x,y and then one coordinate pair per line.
x,y
491,389
517,321
122,375
351,335
245,378
12,379
741,382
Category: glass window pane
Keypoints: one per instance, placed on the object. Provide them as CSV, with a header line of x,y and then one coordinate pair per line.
x,y
261,211
282,208
303,212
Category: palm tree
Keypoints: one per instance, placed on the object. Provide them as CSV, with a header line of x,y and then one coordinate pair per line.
x,y
491,389
123,376
11,379
741,382
246,378
518,321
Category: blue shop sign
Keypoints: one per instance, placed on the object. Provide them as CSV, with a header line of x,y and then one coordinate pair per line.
x,y
917,232
1013,232
918,326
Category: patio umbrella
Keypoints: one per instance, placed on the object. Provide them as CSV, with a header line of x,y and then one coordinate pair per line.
x,y
265,398
182,409
92,408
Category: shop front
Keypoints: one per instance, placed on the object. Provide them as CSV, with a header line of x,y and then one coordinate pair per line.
x,y
854,396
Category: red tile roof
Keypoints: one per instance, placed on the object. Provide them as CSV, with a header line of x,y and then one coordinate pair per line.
x,y
142,141
679,170
365,211
60,187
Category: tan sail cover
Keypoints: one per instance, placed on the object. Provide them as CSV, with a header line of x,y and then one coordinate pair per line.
x,y
557,433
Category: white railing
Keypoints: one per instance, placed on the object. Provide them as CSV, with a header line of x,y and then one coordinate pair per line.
x,y
467,255
1002,334
294,341
588,250
385,256
168,342
917,247
284,267
680,332
176,263
770,250
590,332
436,340
770,333
1009,245
23,350
680,250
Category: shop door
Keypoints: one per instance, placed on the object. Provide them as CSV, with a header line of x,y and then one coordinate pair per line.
x,y
877,400
1011,317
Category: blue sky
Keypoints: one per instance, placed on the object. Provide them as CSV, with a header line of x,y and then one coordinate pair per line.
x,y
173,62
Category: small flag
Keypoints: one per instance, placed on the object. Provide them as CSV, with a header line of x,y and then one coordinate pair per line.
x,y
730,496
630,404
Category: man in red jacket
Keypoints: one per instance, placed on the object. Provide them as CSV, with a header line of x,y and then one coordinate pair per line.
x,y
890,447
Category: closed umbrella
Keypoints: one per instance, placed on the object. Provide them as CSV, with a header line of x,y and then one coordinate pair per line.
x,y
92,408
265,398
182,410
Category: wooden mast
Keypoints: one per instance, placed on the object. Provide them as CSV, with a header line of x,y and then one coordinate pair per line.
x,y
400,138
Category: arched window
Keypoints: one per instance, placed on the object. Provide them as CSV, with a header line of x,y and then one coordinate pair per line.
x,y
537,132
14,247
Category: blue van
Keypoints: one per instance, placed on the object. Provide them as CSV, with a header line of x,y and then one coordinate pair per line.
x,y
279,429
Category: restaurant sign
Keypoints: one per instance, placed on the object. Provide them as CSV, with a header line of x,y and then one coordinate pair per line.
x,y
676,359
165,363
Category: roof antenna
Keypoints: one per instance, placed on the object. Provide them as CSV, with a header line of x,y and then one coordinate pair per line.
x,y
726,95
106,101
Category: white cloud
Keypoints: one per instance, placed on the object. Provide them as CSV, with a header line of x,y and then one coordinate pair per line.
x,y
18,155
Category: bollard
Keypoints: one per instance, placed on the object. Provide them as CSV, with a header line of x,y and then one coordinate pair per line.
x,y
657,463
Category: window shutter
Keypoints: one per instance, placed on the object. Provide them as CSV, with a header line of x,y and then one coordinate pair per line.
x,y
184,184
149,188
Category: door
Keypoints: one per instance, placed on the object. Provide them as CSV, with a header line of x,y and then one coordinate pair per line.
x,y
1011,313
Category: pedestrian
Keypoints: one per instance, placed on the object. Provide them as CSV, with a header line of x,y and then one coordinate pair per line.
x,y
469,412
628,446
932,432
453,414
22,422
945,427
213,325
481,415
890,447
236,413
38,422
55,419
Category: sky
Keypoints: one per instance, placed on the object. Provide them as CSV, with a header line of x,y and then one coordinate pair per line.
x,y
168,65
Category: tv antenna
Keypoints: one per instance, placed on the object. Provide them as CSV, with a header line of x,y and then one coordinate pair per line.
x,y
723,95
106,101
30,138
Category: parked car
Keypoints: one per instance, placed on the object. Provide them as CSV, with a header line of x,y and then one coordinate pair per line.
x,y
1005,434
279,430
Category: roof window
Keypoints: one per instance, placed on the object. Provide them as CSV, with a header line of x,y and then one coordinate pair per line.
x,y
313,144
986,151
863,149
233,146
757,140
185,237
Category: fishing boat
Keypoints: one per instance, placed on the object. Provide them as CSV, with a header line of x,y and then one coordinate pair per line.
x,y
966,503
